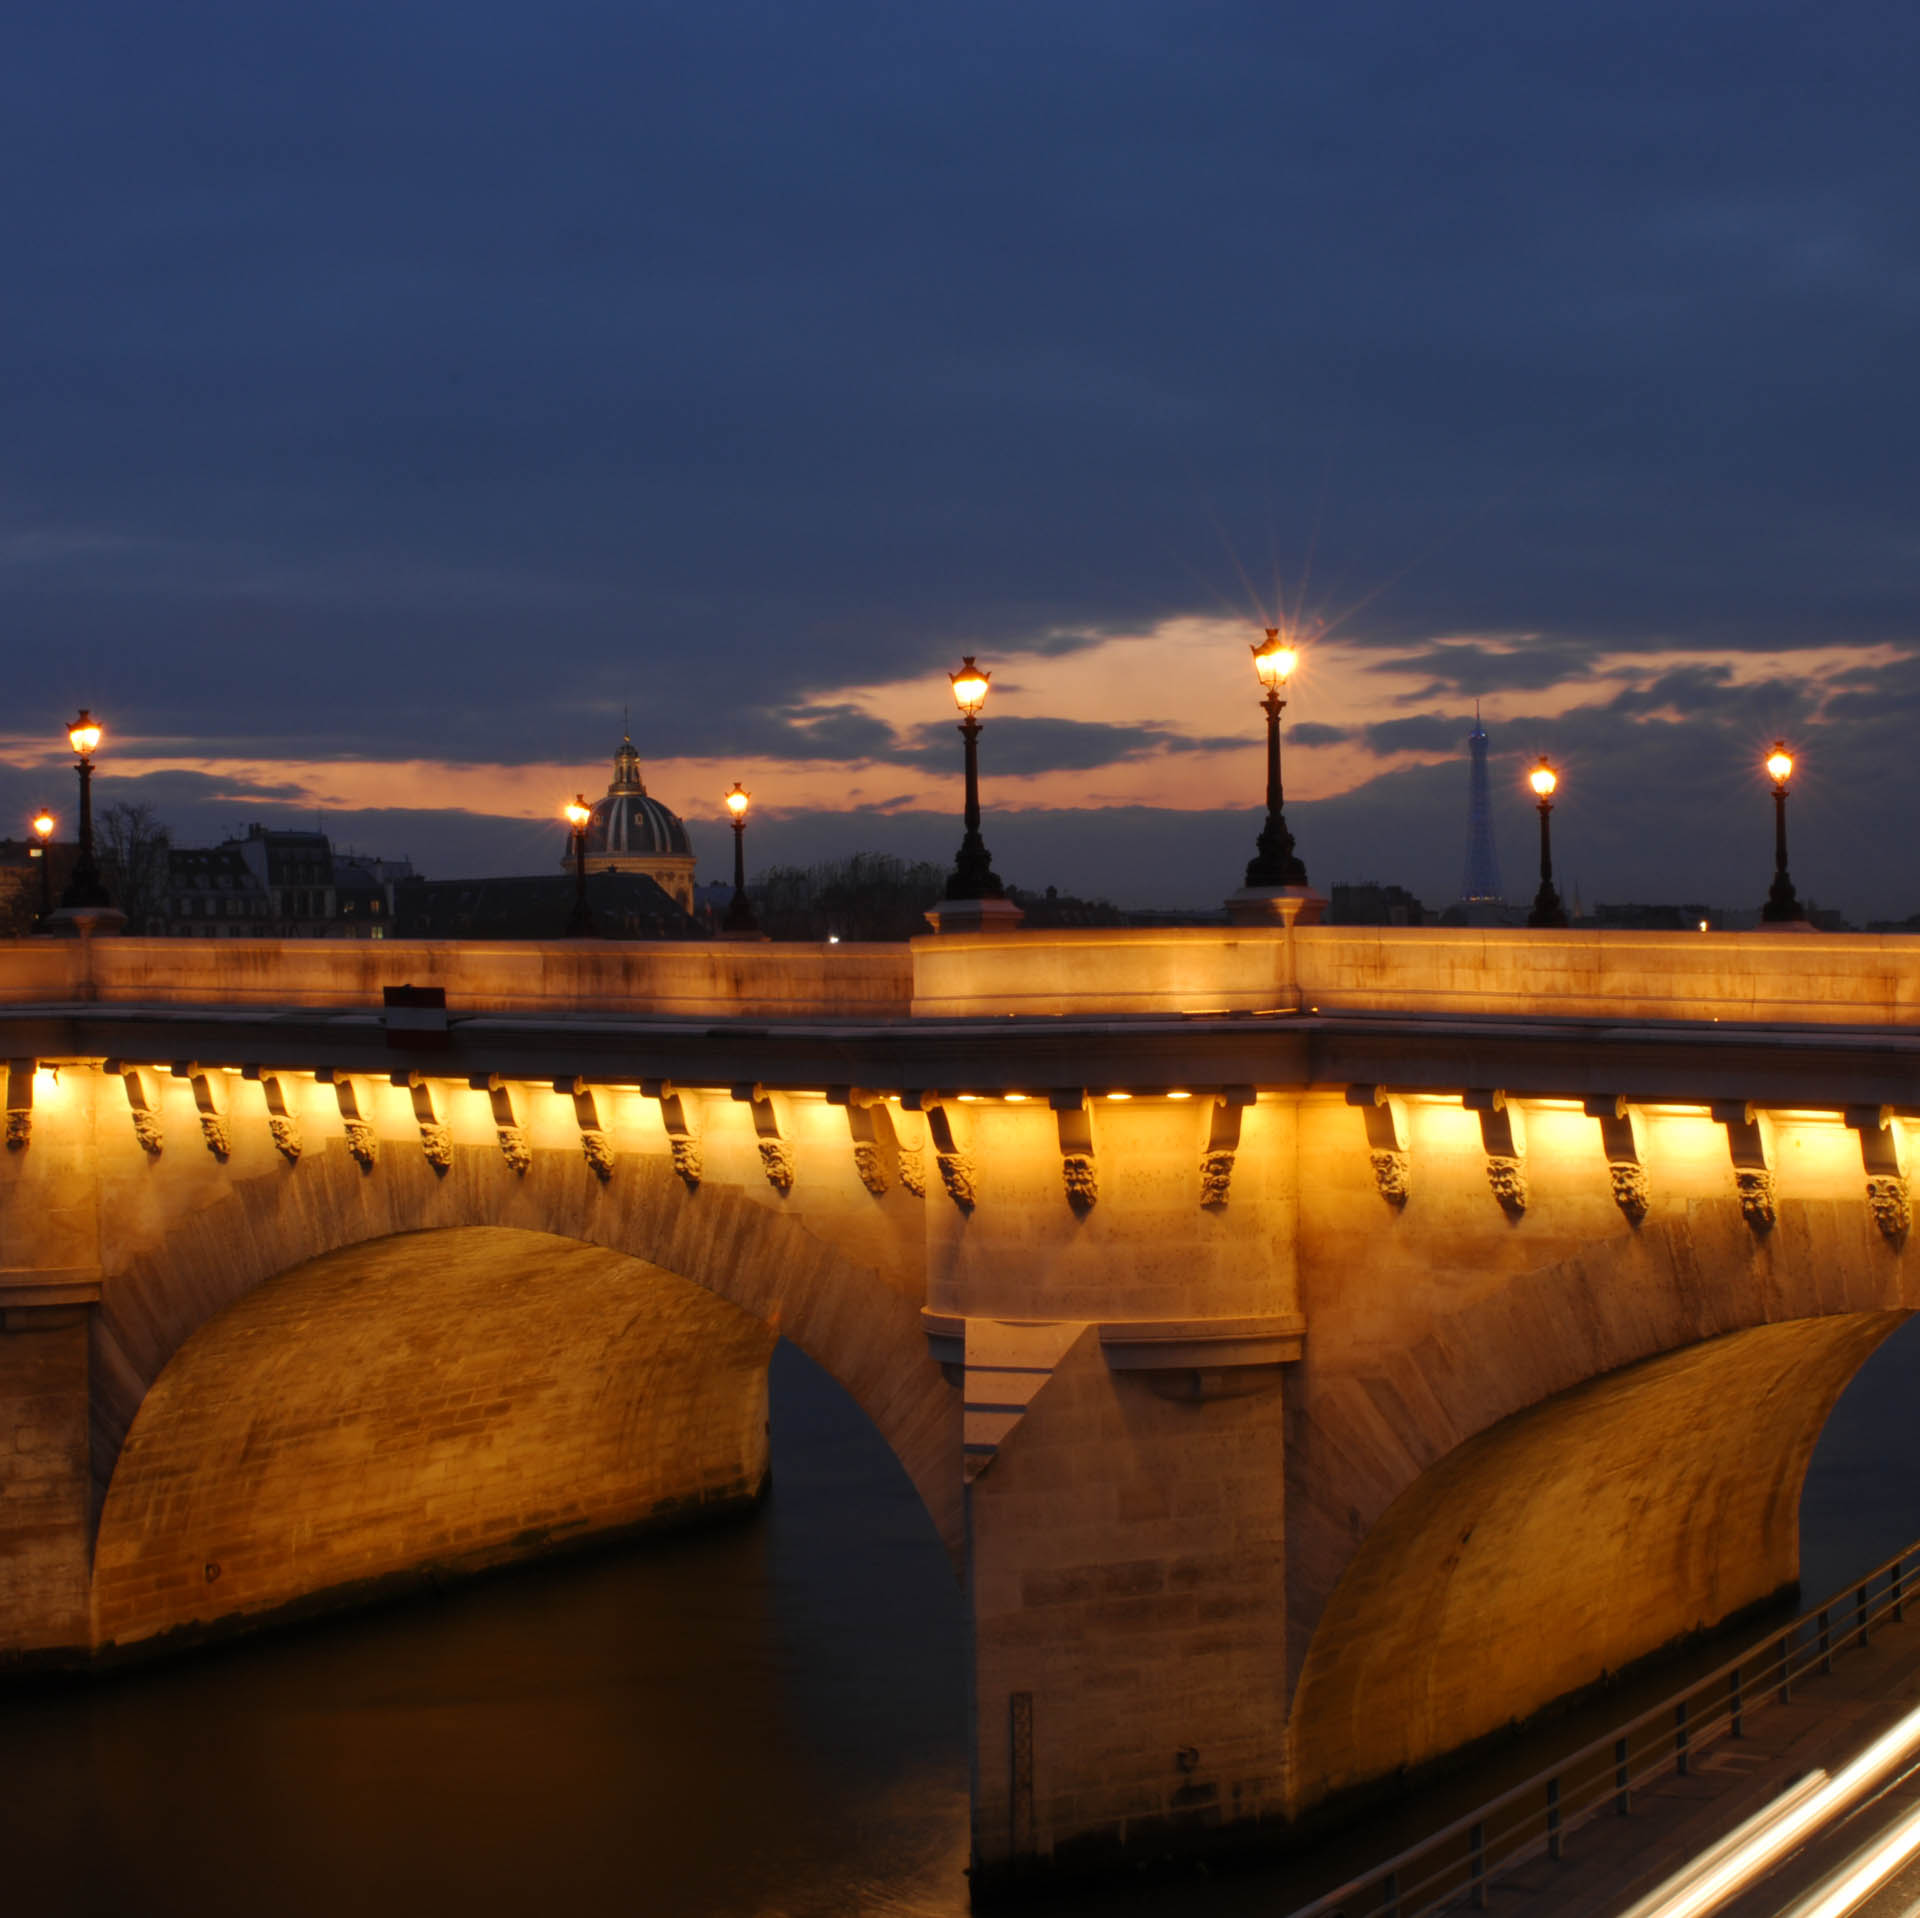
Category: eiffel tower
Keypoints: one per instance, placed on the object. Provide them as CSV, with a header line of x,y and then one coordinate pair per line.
x,y
1482,884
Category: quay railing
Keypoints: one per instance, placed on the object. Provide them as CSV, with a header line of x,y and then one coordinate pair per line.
x,y
1454,1866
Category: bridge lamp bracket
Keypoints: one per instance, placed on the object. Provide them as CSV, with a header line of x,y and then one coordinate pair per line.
x,y
1503,1138
776,1150
1750,1147
1387,1154
508,1130
1624,1149
214,1129
1883,1159
363,1143
1079,1169
140,1108
682,1141
876,1151
282,1126
1223,1142
595,1146
19,1103
436,1136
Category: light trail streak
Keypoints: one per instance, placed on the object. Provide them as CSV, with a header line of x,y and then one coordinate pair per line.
x,y
1662,1902
1754,1849
1864,1873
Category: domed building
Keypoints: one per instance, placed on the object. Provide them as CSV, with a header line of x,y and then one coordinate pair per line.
x,y
631,833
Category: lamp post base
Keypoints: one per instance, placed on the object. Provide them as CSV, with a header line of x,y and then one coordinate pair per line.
x,y
997,914
1276,906
83,922
1548,913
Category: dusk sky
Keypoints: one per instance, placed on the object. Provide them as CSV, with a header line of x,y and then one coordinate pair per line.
x,y
395,393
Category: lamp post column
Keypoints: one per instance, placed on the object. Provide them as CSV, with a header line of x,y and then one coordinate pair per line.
x,y
973,875
84,885
1275,862
1783,905
43,824
739,922
1547,909
580,925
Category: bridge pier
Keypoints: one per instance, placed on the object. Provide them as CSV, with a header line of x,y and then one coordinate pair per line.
x,y
1126,1567
46,1516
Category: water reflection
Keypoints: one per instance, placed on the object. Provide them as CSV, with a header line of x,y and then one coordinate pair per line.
x,y
761,1722
762,1719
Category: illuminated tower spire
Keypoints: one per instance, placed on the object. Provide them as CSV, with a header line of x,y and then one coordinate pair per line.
x,y
1483,863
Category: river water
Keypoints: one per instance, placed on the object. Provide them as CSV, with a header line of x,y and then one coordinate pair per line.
x,y
766,1720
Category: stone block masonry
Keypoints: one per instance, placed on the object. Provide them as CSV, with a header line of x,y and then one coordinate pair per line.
x,y
44,1501
1278,1324
437,1400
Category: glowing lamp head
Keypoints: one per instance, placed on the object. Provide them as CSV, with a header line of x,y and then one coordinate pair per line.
x,y
84,733
737,800
43,826
578,812
1275,660
1543,779
969,687
1780,764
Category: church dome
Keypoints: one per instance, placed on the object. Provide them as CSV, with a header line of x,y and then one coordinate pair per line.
x,y
630,832
631,823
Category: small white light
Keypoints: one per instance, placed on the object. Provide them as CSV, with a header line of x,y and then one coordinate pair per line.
x,y
1119,1098
1015,1098
1179,1095
833,938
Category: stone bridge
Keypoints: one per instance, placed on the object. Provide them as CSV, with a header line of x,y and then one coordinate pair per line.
x,y
1316,1347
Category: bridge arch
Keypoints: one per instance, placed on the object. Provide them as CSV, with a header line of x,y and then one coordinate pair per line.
x,y
1520,1547
720,1273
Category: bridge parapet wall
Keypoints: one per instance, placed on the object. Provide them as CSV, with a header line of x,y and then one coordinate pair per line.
x,y
1163,972
680,979
1192,971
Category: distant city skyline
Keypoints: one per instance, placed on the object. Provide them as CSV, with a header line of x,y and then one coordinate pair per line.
x,y
1410,828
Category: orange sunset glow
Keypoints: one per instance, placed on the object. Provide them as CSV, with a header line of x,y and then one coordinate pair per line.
x,y
1190,678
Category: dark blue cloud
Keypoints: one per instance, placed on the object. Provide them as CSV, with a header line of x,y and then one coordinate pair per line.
x,y
1420,733
1469,669
457,374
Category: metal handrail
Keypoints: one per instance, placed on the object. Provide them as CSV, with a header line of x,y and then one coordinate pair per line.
x,y
1458,1860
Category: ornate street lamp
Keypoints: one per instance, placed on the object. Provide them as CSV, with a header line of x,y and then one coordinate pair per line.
x,y
973,876
84,886
1547,909
740,920
43,823
579,815
1783,906
1275,863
